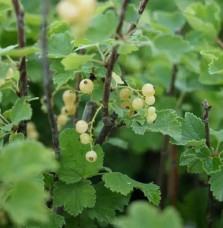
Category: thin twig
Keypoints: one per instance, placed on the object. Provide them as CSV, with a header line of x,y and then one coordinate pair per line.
x,y
23,81
220,43
47,79
205,118
75,118
164,155
109,121
140,11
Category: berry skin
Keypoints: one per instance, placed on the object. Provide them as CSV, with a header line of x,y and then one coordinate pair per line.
x,y
124,94
81,126
86,86
91,156
2,82
137,103
85,138
151,119
150,100
151,111
62,119
69,98
148,90
70,109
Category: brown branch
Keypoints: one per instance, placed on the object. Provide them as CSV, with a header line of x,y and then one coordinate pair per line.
x,y
172,155
141,8
109,121
23,81
47,79
205,118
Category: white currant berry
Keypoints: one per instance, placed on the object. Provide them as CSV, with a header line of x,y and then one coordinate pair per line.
x,y
85,138
150,100
151,111
2,82
30,127
70,109
91,156
81,126
86,86
148,90
62,119
10,73
137,103
124,94
69,97
151,119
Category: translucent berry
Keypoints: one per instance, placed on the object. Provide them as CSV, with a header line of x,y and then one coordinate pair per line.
x,y
85,138
70,109
150,100
151,111
86,86
148,90
62,119
137,103
151,119
81,126
91,156
69,97
124,94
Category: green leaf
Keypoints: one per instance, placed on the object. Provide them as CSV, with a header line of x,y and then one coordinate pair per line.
x,y
172,45
126,48
74,165
75,61
16,136
118,143
174,21
54,221
131,14
74,197
4,51
20,52
107,203
60,45
25,201
21,111
102,27
204,18
21,160
217,185
60,75
167,123
218,135
120,183
142,214
192,131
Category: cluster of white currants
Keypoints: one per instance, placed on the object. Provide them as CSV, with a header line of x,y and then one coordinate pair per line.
x,y
31,131
86,138
77,12
69,98
137,103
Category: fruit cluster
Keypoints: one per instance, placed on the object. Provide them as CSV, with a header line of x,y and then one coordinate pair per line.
x,y
86,138
144,96
31,131
77,12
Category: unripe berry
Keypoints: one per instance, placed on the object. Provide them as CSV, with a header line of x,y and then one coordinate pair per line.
x,y
70,109
91,156
10,73
86,86
62,119
148,90
33,135
81,126
150,100
69,97
137,103
124,94
151,111
85,138
151,119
